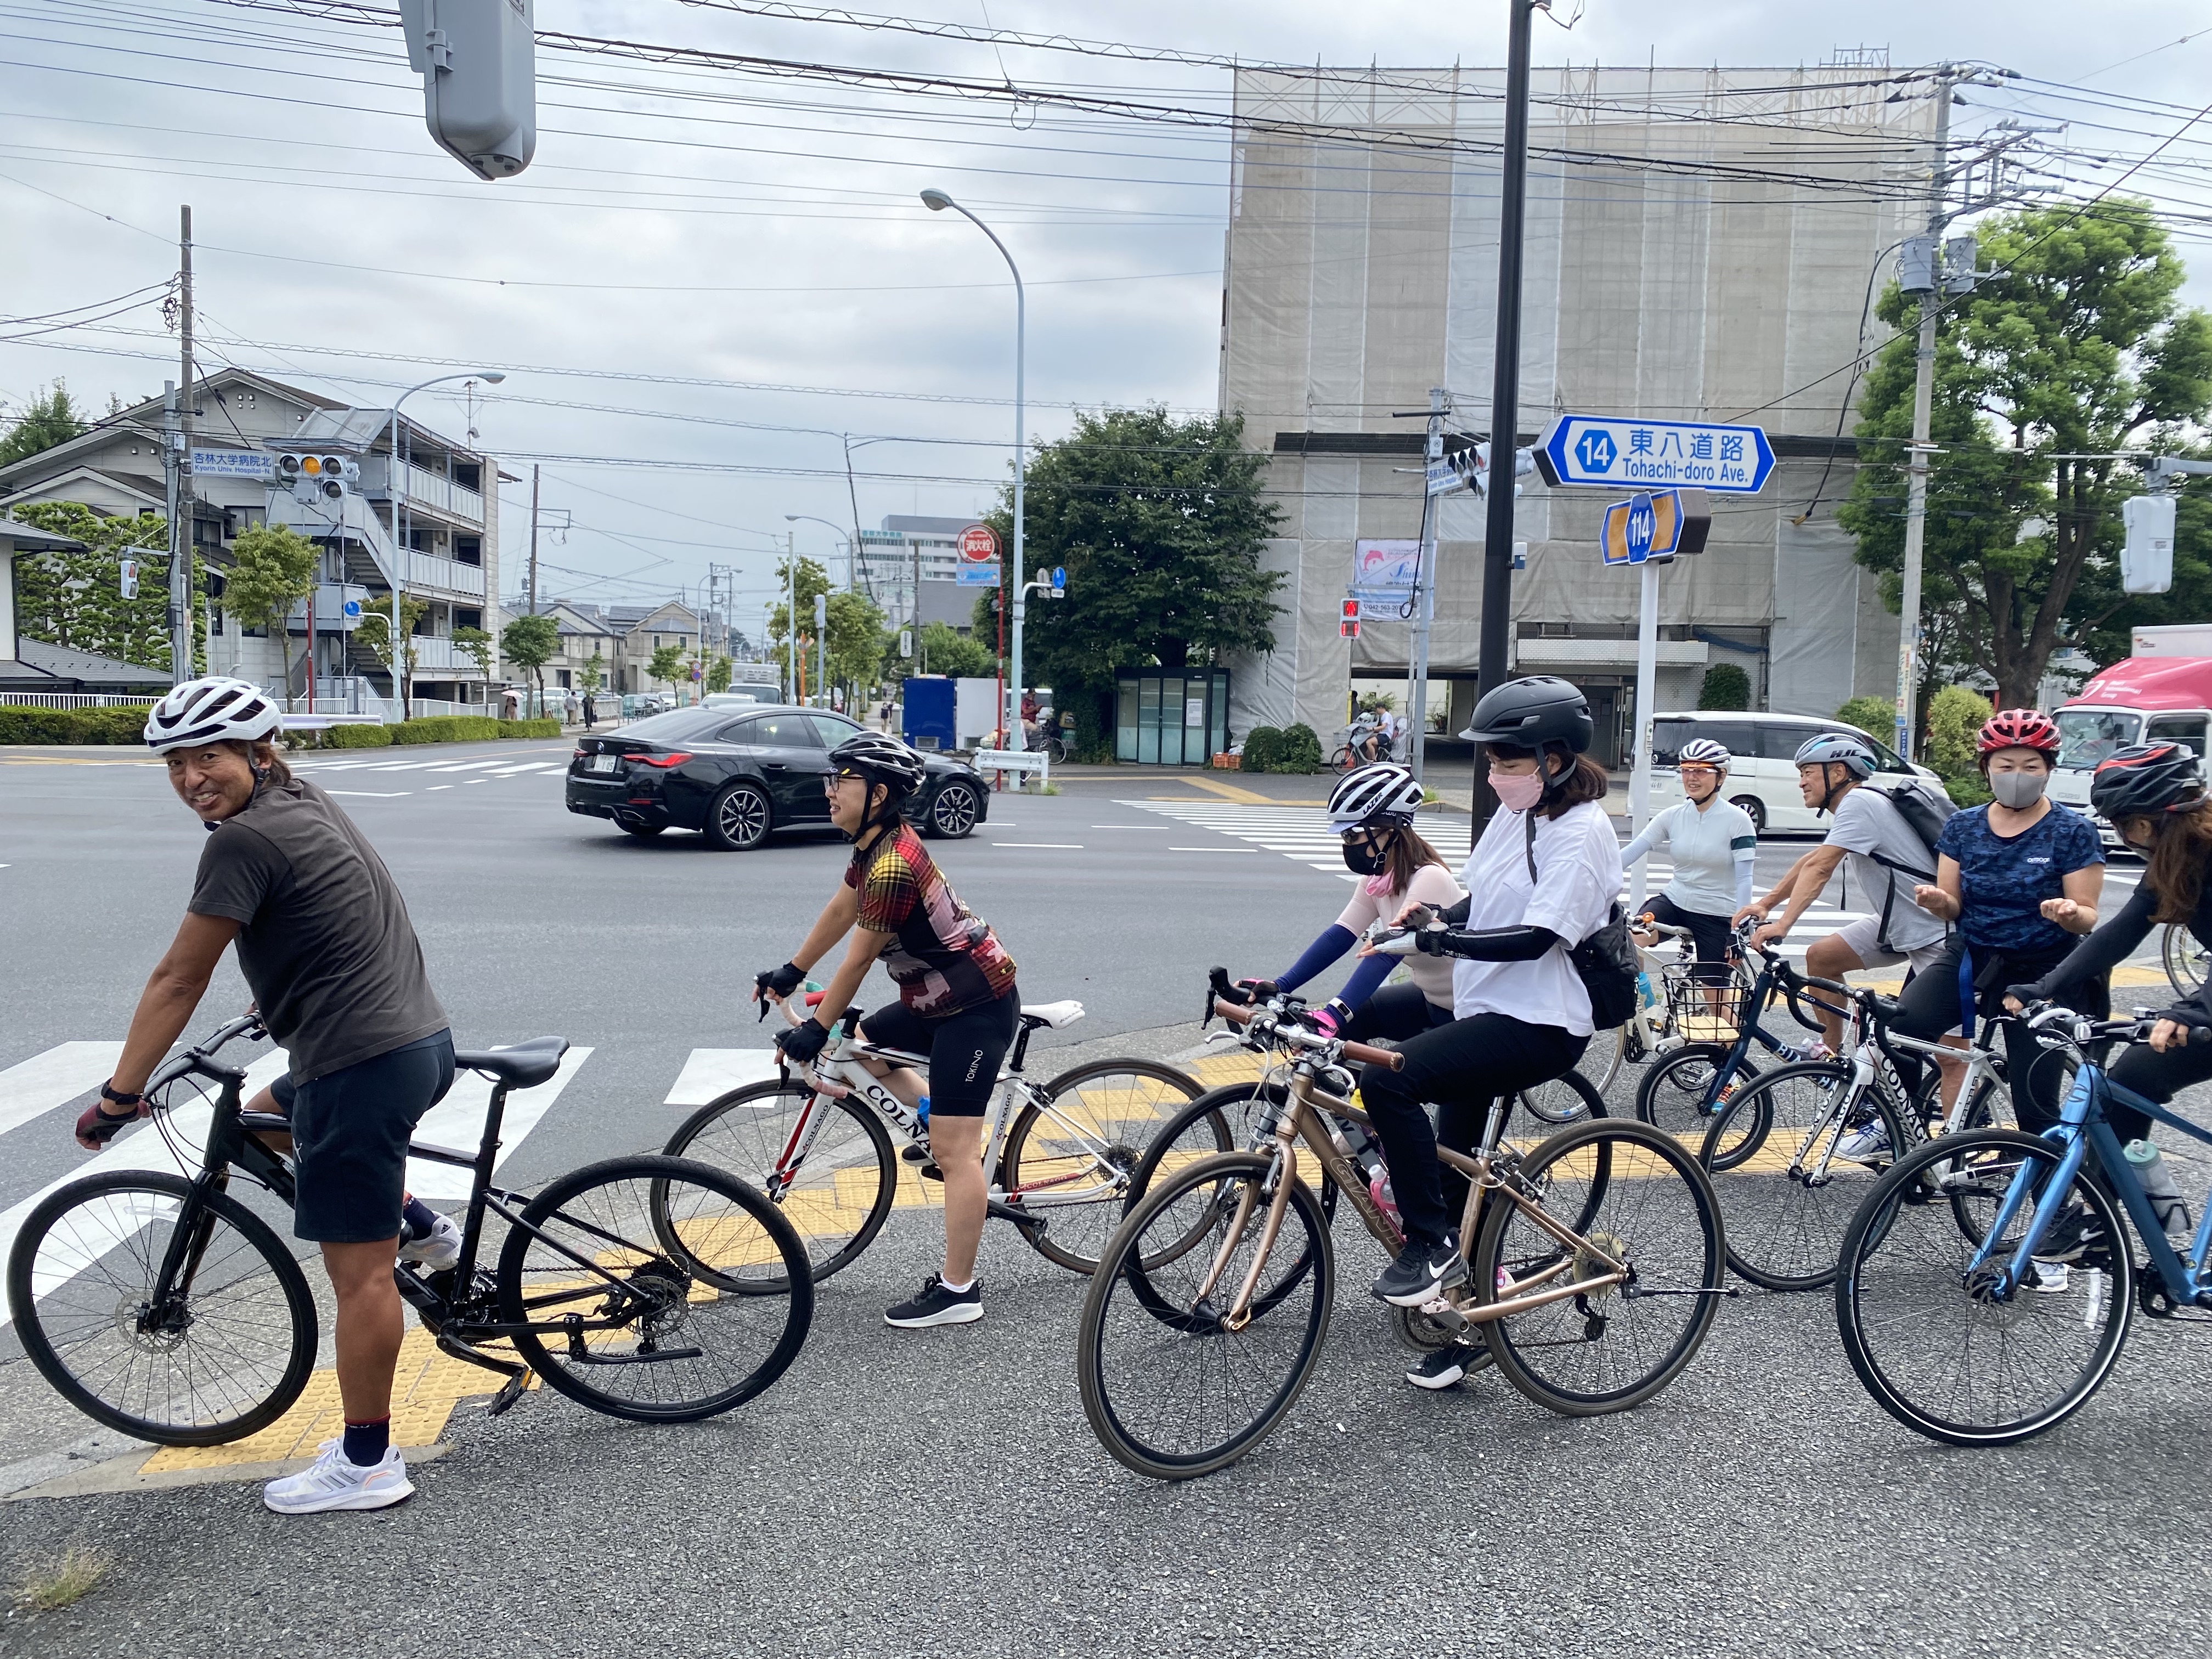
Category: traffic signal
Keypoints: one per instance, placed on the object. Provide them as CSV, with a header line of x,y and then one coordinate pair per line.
x,y
129,582
311,474
478,63
1347,627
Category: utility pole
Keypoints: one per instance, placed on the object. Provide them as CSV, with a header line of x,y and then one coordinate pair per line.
x,y
1424,581
532,583
852,564
1505,379
1924,393
791,609
173,487
179,474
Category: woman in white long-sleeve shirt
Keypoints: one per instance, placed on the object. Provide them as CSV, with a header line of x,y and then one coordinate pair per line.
x,y
1713,844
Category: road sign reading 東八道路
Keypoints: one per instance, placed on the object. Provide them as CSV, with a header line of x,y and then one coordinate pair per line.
x,y
1602,449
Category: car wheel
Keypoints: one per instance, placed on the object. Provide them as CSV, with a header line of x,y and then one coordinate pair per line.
x,y
952,814
1755,809
642,831
737,818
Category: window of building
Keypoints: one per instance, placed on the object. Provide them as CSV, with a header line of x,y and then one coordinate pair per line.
x,y
468,550
463,617
468,475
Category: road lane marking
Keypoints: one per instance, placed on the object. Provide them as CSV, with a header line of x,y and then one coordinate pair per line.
x,y
1213,850
371,794
36,1086
1055,846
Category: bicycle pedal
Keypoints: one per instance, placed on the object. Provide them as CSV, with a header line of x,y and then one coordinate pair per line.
x,y
509,1392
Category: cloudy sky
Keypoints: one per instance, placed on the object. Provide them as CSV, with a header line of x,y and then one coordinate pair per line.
x,y
708,279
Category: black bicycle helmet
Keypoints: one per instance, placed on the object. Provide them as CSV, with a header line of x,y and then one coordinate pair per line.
x,y
880,758
1532,712
2144,780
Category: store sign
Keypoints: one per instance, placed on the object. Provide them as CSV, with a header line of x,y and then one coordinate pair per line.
x,y
979,557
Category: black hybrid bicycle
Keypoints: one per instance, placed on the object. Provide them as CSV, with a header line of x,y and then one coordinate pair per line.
x,y
167,1305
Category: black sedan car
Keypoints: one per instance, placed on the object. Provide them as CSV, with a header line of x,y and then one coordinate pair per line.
x,y
737,776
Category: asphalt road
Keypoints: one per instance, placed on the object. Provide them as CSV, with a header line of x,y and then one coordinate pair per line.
x,y
940,1492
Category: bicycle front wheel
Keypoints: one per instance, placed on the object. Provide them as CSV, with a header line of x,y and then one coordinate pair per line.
x,y
1932,1321
1791,1158
1071,1158
639,1281
1677,1094
1174,1382
837,1197
215,1351
1646,1251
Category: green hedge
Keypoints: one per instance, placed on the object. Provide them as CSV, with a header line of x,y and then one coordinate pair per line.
x,y
1287,749
548,728
1262,744
89,726
358,736
449,728
127,726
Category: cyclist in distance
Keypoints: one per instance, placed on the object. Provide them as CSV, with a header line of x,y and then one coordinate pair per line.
x,y
956,1003
1713,844
2018,880
1372,809
324,944
1885,851
1543,878
2153,795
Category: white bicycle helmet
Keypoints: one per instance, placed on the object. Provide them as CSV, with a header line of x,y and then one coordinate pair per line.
x,y
1704,751
217,709
1383,792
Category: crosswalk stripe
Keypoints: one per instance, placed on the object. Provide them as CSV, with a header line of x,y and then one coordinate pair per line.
x,y
710,1073
37,1085
457,1121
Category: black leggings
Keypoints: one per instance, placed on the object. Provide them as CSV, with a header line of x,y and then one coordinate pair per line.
x,y
1462,1067
1709,932
1393,1013
1929,1005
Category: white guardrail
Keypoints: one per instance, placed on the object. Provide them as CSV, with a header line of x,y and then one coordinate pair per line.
x,y
1024,761
75,700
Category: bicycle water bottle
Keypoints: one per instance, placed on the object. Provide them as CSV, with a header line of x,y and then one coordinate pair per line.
x,y
2156,1181
921,1113
1645,996
1385,1196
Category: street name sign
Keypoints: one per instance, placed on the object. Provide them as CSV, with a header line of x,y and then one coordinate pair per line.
x,y
1602,449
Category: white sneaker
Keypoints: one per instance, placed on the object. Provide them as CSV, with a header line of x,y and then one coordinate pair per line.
x,y
335,1482
1869,1144
2049,1276
438,1250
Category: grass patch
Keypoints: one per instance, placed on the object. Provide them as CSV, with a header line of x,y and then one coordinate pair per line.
x,y
53,1582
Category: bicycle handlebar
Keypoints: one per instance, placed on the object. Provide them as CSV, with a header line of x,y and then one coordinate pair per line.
x,y
170,1070
1297,1036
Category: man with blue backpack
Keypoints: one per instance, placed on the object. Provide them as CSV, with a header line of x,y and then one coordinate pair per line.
x,y
1891,839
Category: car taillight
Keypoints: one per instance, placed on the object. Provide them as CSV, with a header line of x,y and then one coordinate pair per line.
x,y
664,761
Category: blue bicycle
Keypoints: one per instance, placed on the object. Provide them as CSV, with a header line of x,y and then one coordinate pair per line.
x,y
1986,1282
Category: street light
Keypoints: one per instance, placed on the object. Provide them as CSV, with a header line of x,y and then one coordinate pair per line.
x,y
399,486
838,530
1010,720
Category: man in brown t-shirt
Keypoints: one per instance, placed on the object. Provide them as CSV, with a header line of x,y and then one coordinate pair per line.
x,y
324,943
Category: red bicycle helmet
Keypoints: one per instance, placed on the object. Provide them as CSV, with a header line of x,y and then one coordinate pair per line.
x,y
2018,728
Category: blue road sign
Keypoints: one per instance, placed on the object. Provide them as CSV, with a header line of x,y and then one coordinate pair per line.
x,y
353,607
1060,576
1602,449
1631,528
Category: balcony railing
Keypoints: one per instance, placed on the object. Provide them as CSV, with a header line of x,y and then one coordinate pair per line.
x,y
434,652
424,488
429,570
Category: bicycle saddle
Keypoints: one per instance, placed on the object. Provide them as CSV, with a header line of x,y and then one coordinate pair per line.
x,y
520,1066
1054,1014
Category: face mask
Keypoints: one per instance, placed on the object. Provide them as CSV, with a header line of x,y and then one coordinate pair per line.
x,y
1516,795
1362,857
2017,789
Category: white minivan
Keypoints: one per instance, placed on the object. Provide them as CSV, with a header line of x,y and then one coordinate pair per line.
x,y
1762,776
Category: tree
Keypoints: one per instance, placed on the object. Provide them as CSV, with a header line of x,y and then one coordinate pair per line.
x,y
478,644
1956,715
1159,523
2079,347
594,672
946,652
76,599
1726,686
1875,716
529,642
271,567
666,665
48,419
718,674
378,640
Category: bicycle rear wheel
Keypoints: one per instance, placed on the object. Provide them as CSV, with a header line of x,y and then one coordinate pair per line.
x,y
1071,1161
1570,1097
1777,1158
1170,1389
224,1354
837,1199
1937,1338
1671,1095
641,1276
1631,1196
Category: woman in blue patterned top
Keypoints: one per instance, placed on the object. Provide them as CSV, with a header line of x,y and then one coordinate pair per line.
x,y
2018,880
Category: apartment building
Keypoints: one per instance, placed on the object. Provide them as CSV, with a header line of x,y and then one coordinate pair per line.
x,y
624,638
908,546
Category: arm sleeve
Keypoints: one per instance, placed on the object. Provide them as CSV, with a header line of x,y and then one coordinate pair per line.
x,y
2105,948
1643,844
237,870
1335,939
1746,853
1457,914
1365,979
1522,944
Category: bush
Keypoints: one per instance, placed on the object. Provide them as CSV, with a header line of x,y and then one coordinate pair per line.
x,y
1956,715
1726,686
1875,716
449,728
539,728
1262,744
358,736
1301,749
1968,791
123,725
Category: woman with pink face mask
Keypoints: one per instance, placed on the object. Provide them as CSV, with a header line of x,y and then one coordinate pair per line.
x,y
1543,878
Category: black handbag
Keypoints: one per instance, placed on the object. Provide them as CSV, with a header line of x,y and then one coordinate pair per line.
x,y
1604,961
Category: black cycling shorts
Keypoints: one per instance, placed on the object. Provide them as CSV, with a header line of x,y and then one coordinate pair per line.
x,y
350,1135
965,1049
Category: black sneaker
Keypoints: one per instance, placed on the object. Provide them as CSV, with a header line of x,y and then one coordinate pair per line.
x,y
1444,1368
937,1306
1421,1272
2074,1235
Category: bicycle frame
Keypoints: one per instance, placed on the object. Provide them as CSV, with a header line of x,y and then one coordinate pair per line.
x,y
1774,977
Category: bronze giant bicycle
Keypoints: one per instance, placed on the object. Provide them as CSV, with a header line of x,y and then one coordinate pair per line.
x,y
1597,1269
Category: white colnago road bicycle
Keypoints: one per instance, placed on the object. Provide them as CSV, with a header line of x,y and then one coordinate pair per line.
x,y
1058,1155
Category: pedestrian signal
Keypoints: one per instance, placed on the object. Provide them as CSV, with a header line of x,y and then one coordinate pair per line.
x,y
130,583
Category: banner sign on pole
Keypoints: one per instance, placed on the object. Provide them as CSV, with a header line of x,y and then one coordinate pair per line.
x,y
979,557
1594,449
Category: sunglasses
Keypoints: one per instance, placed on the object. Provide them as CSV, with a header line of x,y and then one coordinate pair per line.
x,y
1696,771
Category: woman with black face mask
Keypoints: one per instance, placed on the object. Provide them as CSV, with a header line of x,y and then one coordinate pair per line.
x,y
1372,809
2019,881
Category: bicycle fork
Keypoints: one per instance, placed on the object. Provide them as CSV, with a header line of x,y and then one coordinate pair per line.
x,y
1284,1176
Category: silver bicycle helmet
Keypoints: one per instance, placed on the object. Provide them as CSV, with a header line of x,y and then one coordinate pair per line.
x,y
217,709
1704,751
1838,749
1383,792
